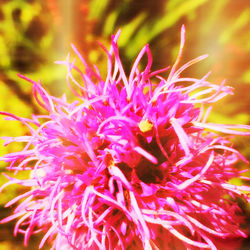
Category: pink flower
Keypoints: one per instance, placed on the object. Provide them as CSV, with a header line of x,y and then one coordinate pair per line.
x,y
131,164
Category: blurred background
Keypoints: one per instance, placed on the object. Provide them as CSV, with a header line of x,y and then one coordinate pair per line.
x,y
35,33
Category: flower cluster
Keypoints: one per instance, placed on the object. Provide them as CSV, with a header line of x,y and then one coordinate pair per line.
x,y
131,164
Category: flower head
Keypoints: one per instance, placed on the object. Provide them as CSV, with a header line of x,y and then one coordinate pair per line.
x,y
131,164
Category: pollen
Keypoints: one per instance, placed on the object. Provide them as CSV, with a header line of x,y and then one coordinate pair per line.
x,y
145,126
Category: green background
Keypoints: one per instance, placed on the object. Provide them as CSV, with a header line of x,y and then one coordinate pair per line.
x,y
34,34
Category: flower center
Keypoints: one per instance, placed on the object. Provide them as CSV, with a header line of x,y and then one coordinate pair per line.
x,y
145,170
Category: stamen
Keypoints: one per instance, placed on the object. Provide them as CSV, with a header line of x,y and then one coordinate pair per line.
x,y
147,155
